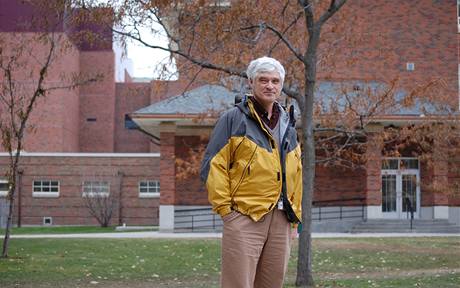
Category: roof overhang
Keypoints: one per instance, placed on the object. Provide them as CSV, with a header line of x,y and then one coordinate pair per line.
x,y
152,123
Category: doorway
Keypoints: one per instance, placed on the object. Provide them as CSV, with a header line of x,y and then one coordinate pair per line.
x,y
400,188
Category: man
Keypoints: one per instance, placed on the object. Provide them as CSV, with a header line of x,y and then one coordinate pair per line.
x,y
253,173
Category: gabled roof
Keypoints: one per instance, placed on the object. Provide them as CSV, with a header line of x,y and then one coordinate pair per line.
x,y
357,91
208,101
204,99
215,98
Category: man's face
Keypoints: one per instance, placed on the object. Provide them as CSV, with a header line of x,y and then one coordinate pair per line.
x,y
267,87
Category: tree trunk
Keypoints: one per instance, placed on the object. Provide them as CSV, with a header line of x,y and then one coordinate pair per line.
x,y
120,198
12,177
304,264
9,223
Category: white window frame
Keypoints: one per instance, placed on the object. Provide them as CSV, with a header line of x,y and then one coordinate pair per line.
x,y
458,16
221,3
92,185
410,66
149,194
46,194
3,193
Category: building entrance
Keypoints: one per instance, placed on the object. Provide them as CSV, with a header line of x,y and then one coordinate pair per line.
x,y
400,188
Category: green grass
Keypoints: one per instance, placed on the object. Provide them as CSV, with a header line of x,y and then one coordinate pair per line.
x,y
440,281
384,254
69,230
351,262
84,260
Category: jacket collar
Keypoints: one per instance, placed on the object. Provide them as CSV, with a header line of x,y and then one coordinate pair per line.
x,y
245,104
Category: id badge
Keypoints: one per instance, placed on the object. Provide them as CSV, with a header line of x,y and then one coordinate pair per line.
x,y
280,205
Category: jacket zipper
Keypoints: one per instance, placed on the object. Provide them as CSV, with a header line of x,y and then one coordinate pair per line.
x,y
246,168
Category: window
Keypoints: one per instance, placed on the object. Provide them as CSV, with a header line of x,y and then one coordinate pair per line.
x,y
221,3
3,187
400,164
47,221
45,188
458,15
410,66
150,188
408,164
96,188
390,164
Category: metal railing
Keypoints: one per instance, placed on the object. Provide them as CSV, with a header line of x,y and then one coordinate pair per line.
x,y
196,219
326,210
204,219
4,208
409,210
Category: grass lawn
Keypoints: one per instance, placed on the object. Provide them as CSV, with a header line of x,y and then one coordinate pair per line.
x,y
69,230
351,262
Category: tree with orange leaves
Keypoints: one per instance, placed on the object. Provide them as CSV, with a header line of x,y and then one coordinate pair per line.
x,y
223,36
210,40
27,75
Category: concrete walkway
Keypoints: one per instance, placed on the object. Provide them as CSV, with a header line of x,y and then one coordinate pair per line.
x,y
168,235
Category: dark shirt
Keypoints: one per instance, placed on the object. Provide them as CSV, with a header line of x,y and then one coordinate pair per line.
x,y
263,114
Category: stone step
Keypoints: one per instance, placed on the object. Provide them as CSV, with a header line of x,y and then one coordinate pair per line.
x,y
403,226
448,231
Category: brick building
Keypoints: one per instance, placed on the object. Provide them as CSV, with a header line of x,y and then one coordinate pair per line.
x,y
417,50
81,140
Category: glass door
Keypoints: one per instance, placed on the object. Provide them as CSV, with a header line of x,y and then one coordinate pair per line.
x,y
400,188
389,195
409,189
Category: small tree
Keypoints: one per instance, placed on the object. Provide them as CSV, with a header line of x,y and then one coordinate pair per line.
x,y
100,202
26,62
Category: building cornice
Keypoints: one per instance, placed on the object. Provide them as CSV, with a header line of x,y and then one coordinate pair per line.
x,y
89,155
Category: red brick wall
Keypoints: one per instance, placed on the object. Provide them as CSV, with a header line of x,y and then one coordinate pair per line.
x,y
189,191
69,208
426,178
373,168
168,169
129,98
392,33
53,122
374,40
454,182
334,183
97,101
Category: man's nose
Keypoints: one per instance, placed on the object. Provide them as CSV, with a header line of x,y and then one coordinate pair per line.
x,y
270,85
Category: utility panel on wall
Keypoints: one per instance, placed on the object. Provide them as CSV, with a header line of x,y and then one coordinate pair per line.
x,y
410,66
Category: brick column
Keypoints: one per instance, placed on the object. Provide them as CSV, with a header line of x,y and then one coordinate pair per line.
x,y
373,172
167,175
440,182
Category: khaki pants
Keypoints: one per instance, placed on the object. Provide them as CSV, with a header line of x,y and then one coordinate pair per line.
x,y
255,254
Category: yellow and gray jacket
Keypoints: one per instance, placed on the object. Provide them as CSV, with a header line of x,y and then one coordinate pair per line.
x,y
245,170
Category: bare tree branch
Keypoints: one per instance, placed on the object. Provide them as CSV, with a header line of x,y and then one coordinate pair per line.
x,y
309,14
199,62
299,15
333,8
286,42
262,26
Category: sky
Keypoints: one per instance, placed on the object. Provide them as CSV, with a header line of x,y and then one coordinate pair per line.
x,y
146,60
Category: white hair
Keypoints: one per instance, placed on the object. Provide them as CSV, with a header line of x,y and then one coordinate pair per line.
x,y
265,64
